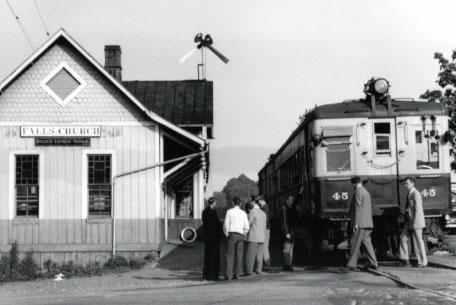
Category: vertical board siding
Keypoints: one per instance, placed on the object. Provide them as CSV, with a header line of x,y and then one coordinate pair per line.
x,y
61,220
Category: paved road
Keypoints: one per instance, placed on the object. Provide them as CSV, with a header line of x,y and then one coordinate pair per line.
x,y
322,286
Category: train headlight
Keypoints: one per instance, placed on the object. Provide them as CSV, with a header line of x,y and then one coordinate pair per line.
x,y
381,86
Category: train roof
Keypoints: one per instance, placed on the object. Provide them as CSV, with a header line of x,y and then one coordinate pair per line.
x,y
362,108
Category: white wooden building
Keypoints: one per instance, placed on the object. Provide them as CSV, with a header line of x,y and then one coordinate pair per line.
x,y
69,130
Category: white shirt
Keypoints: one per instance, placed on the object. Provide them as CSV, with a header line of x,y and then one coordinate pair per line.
x,y
236,221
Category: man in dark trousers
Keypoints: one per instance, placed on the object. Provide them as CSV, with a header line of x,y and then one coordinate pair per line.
x,y
289,221
212,229
236,226
362,225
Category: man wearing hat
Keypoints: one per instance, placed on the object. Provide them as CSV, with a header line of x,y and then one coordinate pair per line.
x,y
362,225
212,231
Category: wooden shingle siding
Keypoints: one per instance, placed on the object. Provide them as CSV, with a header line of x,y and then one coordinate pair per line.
x,y
26,101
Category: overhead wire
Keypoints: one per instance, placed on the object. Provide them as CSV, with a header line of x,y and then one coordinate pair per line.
x,y
21,26
43,23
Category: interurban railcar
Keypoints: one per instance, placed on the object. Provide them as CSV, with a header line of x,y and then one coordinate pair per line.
x,y
377,138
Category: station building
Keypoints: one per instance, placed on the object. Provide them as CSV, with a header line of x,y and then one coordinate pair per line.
x,y
91,164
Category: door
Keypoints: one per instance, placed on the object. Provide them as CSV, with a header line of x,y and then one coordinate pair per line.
x,y
383,164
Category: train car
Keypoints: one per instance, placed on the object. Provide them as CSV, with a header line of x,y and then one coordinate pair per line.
x,y
378,138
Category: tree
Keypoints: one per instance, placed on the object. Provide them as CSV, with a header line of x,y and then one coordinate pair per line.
x,y
446,80
242,187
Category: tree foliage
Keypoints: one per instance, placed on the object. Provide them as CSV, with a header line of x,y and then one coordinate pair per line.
x,y
446,80
242,187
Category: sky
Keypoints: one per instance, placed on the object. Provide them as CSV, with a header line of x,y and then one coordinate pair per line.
x,y
285,56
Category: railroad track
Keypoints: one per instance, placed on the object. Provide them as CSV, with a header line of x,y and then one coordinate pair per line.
x,y
401,283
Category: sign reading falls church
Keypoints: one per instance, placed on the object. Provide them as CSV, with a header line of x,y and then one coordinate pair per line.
x,y
60,131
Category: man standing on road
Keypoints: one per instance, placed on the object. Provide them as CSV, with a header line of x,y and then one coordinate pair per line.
x,y
362,225
212,229
289,221
235,227
255,240
413,226
266,255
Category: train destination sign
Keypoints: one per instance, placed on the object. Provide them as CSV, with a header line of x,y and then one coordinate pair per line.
x,y
60,131
62,141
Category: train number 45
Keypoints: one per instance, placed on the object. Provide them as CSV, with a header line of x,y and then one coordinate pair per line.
x,y
428,193
340,196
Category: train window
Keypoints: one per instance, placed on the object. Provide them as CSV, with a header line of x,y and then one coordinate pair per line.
x,y
338,157
427,152
382,138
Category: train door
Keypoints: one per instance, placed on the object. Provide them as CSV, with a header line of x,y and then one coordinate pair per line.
x,y
383,165
421,156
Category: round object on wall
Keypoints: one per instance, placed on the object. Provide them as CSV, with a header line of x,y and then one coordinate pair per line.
x,y
188,235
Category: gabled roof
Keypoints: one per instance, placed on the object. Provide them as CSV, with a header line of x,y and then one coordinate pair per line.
x,y
63,34
187,102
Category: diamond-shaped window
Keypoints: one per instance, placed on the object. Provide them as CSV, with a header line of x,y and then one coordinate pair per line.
x,y
63,84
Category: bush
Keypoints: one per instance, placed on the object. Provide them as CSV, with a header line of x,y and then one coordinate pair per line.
x,y
116,262
137,263
14,262
93,268
28,269
4,268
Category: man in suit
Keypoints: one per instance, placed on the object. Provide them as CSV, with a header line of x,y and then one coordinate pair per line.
x,y
414,224
289,222
212,229
255,240
362,225
235,227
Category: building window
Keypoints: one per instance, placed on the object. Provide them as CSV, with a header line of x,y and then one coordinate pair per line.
x,y
99,184
427,151
382,138
184,199
63,84
27,185
338,157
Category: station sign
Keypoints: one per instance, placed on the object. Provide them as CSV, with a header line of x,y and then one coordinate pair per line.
x,y
60,131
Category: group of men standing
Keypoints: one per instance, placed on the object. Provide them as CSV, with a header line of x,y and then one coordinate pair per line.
x,y
247,233
412,224
247,239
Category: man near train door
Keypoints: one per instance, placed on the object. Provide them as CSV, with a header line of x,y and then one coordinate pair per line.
x,y
289,221
413,226
362,225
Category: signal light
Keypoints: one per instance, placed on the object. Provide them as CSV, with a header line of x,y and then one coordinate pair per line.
x,y
381,86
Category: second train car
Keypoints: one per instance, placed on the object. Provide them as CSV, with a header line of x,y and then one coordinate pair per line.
x,y
378,138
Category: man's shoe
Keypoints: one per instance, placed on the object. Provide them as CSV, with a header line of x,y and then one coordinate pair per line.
x,y
288,268
353,269
405,263
421,266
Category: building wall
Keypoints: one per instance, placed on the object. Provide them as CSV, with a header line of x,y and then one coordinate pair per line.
x,y
63,229
63,224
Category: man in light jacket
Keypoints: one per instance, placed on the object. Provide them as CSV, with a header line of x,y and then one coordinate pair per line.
x,y
235,227
255,240
362,225
413,226
264,206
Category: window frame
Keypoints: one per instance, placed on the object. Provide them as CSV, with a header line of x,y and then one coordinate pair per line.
x,y
348,144
12,184
85,181
63,102
383,152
